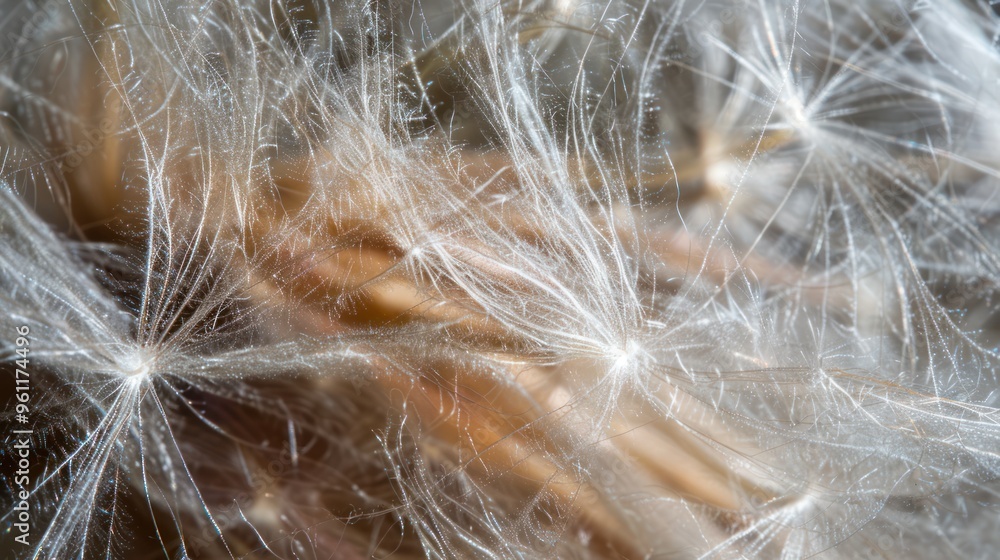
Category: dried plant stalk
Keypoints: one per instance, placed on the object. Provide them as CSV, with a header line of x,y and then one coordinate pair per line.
x,y
502,280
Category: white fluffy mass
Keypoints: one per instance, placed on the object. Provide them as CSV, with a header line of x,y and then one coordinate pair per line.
x,y
312,279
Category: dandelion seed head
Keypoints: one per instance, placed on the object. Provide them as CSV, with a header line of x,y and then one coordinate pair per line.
x,y
137,366
627,358
506,280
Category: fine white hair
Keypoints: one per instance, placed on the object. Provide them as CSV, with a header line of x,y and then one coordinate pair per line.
x,y
544,279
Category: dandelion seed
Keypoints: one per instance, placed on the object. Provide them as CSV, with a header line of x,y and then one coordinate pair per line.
x,y
516,280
